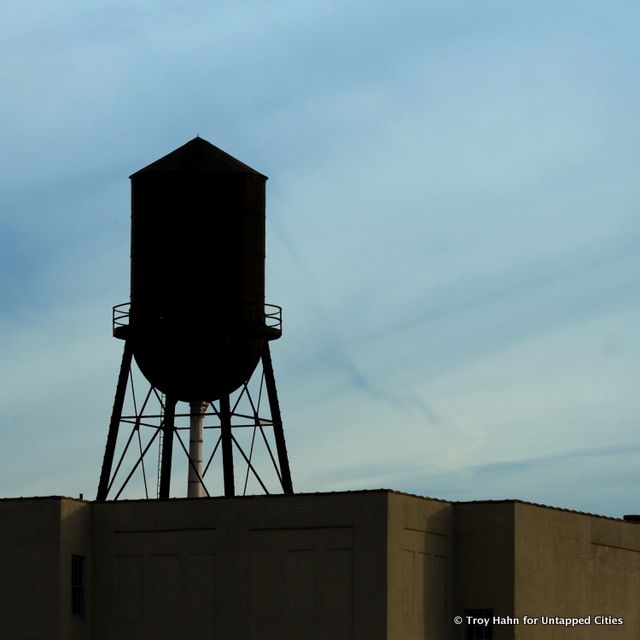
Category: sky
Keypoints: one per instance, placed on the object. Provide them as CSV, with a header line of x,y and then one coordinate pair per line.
x,y
453,231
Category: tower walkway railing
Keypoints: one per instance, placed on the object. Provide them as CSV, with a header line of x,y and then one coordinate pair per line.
x,y
271,318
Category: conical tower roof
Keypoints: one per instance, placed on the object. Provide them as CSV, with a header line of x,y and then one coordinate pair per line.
x,y
199,155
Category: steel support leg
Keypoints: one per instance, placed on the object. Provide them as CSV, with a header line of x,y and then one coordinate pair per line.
x,y
227,447
278,431
114,424
167,447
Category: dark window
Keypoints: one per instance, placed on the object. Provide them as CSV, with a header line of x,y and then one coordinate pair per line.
x,y
478,624
77,586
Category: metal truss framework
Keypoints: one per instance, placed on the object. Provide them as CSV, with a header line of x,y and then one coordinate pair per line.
x,y
154,419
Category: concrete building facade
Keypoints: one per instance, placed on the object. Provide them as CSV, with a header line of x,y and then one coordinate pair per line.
x,y
367,565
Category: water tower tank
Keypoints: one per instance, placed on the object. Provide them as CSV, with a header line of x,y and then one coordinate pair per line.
x,y
197,322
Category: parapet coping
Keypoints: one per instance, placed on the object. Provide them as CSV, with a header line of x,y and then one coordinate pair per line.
x,y
326,493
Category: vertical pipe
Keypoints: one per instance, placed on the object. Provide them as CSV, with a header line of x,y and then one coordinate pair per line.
x,y
196,420
227,447
114,424
278,431
167,447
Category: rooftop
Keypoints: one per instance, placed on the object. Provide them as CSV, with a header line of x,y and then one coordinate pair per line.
x,y
198,155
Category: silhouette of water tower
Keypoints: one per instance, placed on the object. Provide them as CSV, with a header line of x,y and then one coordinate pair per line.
x,y
197,325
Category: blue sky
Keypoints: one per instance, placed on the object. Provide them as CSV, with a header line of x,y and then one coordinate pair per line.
x,y
453,231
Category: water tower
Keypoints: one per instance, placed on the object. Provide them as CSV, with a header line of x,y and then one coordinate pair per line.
x,y
197,325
